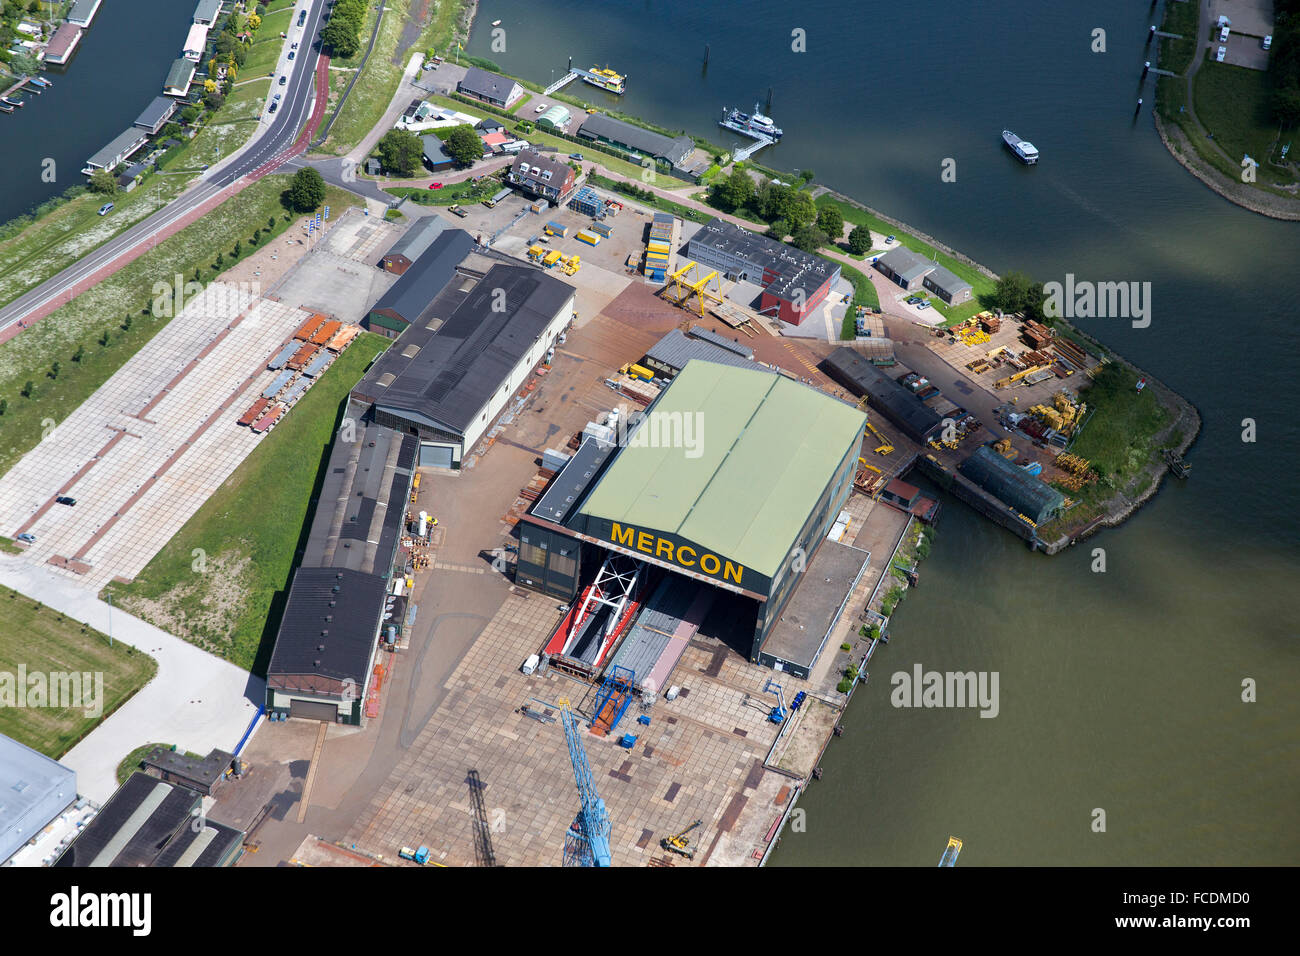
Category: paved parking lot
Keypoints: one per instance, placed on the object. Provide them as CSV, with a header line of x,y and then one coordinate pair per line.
x,y
152,444
1252,20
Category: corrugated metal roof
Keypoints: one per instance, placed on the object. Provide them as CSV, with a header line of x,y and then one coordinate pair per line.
x,y
948,281
764,451
33,790
280,382
905,263
283,355
573,479
676,349
600,126
891,399
318,364
708,335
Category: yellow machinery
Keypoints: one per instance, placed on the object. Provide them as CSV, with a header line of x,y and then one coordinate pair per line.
x,y
535,253
1063,414
570,265
1012,379
680,843
971,335
552,258
866,464
885,447
994,353
1005,448
415,487
687,282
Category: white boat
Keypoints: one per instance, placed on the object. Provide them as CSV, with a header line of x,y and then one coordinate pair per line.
x,y
496,23
1025,151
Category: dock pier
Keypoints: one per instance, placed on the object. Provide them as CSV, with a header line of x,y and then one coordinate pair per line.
x,y
560,83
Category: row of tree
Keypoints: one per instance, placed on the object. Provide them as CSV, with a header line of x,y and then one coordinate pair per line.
x,y
342,35
788,211
402,151
1284,67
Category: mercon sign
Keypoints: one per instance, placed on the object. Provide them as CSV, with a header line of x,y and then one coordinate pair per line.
x,y
682,555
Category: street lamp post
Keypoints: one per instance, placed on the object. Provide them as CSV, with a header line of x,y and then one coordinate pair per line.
x,y
110,620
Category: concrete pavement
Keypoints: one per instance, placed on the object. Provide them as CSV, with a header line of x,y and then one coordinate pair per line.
x,y
196,701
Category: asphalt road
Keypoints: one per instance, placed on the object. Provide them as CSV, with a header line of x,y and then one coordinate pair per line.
x,y
280,132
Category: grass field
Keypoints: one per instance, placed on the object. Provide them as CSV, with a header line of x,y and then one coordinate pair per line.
x,y
375,87
667,205
461,192
265,49
864,293
46,641
1119,437
104,308
1232,104
250,530
980,283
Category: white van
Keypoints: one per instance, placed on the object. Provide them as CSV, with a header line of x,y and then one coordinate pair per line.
x,y
530,665
1223,34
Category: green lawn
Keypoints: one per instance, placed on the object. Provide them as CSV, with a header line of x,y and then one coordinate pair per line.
x,y
375,87
667,205
105,307
864,293
1232,103
461,192
264,51
1183,19
45,641
1119,437
250,531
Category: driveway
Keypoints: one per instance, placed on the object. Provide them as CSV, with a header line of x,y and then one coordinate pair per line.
x,y
196,701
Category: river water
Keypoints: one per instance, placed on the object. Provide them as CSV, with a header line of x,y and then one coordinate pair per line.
x,y
118,67
1118,691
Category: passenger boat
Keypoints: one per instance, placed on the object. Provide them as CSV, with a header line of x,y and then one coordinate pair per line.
x,y
750,124
605,78
1025,151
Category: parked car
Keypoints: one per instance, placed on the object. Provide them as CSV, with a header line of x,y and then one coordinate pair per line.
x,y
1223,34
65,500
274,106
302,18
291,54
282,79
105,209
1223,51
541,108
28,538
889,240
294,47
1268,41
435,185
575,156
277,96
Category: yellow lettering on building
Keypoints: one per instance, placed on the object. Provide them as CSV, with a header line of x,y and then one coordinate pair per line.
x,y
645,542
706,560
621,535
681,556
732,571
664,548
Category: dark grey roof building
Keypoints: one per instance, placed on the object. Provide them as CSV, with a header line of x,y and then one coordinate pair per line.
x,y
908,413
670,354
158,112
419,237
549,177
636,139
329,632
435,154
489,87
452,371
905,267
149,822
204,774
421,281
946,285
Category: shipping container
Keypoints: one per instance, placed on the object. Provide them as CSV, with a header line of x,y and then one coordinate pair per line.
x,y
555,229
588,238
601,229
640,371
552,258
308,328
326,332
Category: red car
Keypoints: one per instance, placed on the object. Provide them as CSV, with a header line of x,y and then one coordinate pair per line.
x,y
435,185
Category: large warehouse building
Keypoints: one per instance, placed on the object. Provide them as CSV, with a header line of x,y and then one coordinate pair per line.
x,y
1012,485
721,496
915,419
329,633
452,371
794,282
33,791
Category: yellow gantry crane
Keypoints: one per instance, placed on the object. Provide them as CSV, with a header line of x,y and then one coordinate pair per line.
x,y
687,282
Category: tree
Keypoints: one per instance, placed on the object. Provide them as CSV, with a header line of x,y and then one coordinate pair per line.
x,y
788,203
102,181
831,221
28,388
270,223
338,39
254,21
778,230
239,247
24,65
221,261
213,100
4,405
1016,292
400,151
54,370
210,86
190,114
464,146
860,240
79,354
734,192
306,190
809,238
806,175
126,324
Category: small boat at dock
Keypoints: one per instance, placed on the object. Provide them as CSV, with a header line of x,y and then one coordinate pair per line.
x,y
496,23
6,109
40,81
1177,467
9,102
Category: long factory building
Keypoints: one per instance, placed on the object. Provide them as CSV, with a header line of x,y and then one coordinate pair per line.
x,y
711,503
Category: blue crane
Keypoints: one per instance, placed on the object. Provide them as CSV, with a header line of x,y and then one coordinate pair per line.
x,y
586,843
